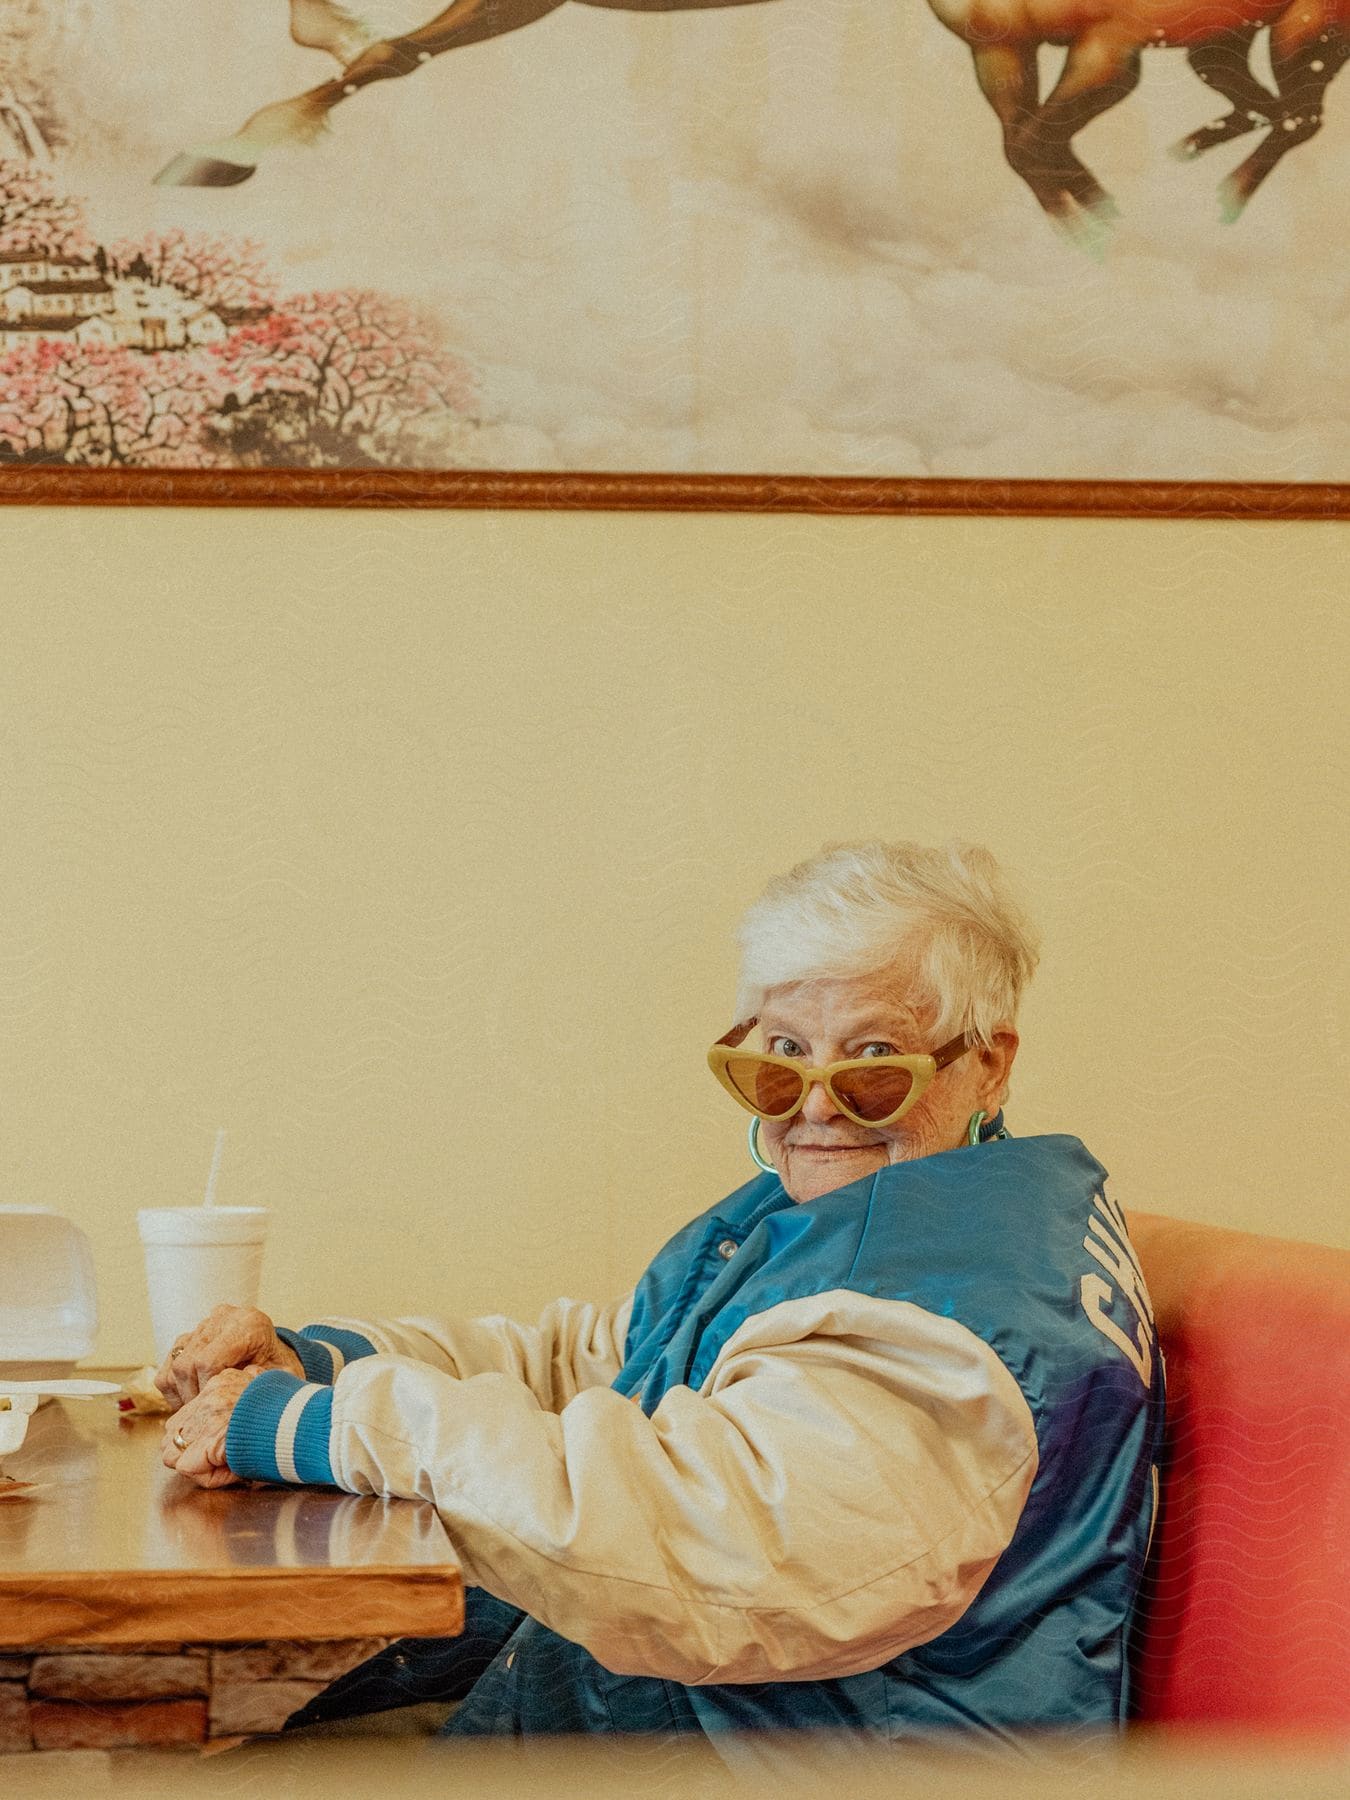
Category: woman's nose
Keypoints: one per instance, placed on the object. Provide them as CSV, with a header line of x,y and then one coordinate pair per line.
x,y
818,1106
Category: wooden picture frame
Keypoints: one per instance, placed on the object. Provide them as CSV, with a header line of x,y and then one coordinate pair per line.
x,y
246,318
509,490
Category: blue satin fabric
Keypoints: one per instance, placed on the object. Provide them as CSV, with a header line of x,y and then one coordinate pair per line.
x,y
991,1235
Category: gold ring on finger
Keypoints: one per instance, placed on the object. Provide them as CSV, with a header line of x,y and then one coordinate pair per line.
x,y
179,1441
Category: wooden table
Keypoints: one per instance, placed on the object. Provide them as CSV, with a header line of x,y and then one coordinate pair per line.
x,y
138,1608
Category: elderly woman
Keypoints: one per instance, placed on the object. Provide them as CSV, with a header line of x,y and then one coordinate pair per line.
x,y
872,1443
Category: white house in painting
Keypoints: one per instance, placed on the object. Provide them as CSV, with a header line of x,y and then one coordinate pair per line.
x,y
95,330
149,315
21,266
81,298
64,297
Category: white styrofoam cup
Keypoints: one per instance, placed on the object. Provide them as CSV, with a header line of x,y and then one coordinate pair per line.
x,y
195,1258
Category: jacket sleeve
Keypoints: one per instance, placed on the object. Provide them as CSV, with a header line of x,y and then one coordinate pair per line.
x,y
835,1493
572,1346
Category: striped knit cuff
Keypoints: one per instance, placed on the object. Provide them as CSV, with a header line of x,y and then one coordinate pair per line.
x,y
325,1350
279,1430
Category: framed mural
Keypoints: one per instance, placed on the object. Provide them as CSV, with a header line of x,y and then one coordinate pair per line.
x,y
939,255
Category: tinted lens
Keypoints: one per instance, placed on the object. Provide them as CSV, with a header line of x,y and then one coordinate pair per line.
x,y
769,1087
874,1093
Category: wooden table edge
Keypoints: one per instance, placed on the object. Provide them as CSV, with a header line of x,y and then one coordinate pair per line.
x,y
91,1608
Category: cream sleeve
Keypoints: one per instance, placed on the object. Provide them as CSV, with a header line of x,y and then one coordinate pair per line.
x,y
836,1492
572,1346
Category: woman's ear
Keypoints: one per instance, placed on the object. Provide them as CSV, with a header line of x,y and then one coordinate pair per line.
x,y
996,1061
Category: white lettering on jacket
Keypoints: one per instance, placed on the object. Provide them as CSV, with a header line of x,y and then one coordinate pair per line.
x,y
1109,1244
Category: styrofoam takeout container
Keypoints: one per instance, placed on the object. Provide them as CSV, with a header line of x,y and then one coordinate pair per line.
x,y
48,1302
20,1400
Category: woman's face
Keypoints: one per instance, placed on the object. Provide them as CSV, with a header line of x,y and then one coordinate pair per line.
x,y
817,1022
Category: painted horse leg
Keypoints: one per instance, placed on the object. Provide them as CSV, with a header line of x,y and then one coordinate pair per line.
x,y
1305,54
1098,73
1010,82
1223,65
288,123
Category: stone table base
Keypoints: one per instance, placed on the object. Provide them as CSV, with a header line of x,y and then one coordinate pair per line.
x,y
189,1696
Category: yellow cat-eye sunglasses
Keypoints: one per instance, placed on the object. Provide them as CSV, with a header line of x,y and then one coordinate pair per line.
x,y
870,1090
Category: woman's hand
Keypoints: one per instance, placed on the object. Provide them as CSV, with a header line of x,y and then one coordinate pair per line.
x,y
201,1426
229,1337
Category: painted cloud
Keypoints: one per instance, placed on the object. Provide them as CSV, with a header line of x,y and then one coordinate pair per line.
x,y
779,237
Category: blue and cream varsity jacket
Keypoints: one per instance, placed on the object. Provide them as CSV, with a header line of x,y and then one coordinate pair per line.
x,y
885,1460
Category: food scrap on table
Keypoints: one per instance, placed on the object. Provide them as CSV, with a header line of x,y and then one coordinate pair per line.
x,y
140,1395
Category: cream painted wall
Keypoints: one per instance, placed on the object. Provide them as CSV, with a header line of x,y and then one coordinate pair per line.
x,y
409,847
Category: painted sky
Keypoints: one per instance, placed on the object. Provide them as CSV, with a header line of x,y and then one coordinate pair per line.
x,y
776,237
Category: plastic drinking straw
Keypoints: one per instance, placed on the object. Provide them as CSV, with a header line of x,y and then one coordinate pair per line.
x,y
210,1199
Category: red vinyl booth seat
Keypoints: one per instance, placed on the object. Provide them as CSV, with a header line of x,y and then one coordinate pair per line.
x,y
1245,1615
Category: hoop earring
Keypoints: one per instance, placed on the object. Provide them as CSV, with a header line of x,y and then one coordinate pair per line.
x,y
973,1129
756,1154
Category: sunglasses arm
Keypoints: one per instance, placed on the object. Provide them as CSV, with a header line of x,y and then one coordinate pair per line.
x,y
738,1033
949,1052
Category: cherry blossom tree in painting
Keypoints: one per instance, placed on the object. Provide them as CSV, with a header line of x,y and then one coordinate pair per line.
x,y
107,406
343,379
35,218
230,275
346,379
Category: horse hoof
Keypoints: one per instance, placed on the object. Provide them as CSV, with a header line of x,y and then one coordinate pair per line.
x,y
1090,228
188,170
1231,202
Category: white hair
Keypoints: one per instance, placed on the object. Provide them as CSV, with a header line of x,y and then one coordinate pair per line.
x,y
859,908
